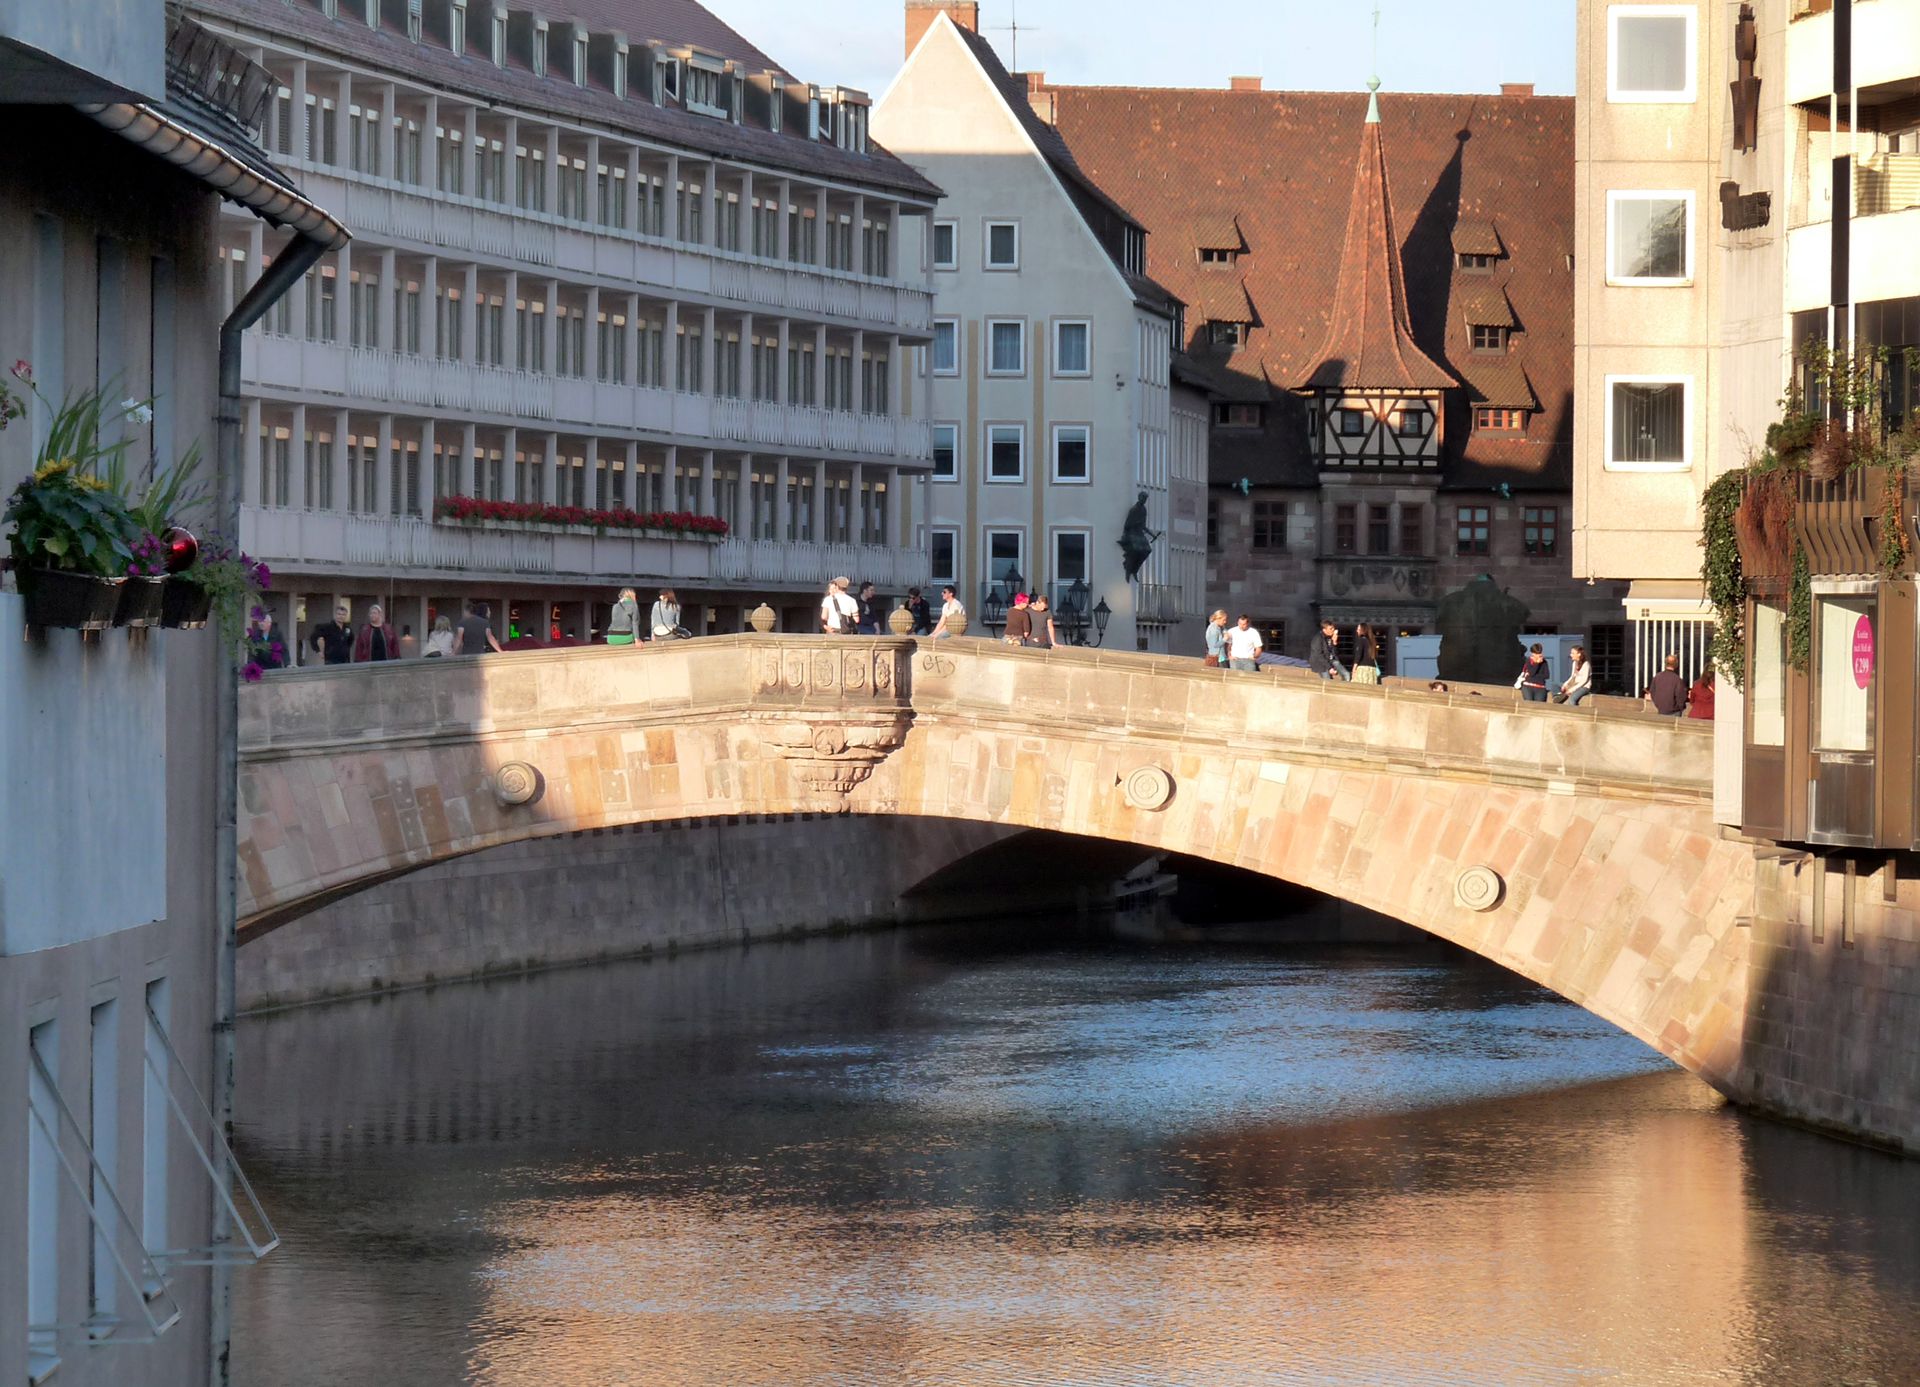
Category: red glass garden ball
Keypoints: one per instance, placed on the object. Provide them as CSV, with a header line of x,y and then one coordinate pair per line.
x,y
182,550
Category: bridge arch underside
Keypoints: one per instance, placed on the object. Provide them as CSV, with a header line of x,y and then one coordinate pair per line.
x,y
1614,901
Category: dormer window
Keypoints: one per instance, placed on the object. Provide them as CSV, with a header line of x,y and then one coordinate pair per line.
x,y
1227,334
370,11
579,58
540,48
708,90
499,38
1217,255
1473,263
1238,416
666,80
413,21
847,127
620,72
1489,338
457,29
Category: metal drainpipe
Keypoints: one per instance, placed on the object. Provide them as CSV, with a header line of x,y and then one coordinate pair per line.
x,y
281,275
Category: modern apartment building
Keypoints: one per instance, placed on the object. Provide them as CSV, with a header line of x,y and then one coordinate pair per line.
x,y
609,255
1379,315
1053,411
125,125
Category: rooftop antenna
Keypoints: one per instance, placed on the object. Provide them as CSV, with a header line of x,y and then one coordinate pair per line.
x,y
1014,28
1373,82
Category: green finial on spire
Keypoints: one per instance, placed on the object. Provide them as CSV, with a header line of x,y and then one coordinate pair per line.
x,y
1373,82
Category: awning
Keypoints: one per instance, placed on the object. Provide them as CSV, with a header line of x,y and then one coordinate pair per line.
x,y
237,174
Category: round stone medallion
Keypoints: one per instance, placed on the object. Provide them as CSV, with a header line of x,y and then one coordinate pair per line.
x,y
1479,888
516,783
1149,788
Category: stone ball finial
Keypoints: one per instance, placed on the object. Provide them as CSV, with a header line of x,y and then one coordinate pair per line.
x,y
900,620
761,618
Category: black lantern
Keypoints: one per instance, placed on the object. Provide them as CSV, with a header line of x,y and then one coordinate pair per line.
x,y
1015,583
994,610
1073,612
1101,615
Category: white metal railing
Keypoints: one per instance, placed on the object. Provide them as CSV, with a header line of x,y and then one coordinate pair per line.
x,y
1156,602
809,564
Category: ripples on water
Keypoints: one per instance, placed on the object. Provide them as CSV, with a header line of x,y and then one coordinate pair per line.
x,y
957,1158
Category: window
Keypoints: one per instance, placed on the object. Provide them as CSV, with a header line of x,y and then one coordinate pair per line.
x,y
709,92
1003,245
946,246
1540,534
1413,422
1071,354
1006,347
1495,419
620,75
456,41
946,346
1216,255
946,452
1226,334
1351,423
940,555
1473,526
1488,338
1269,524
1005,555
1213,525
1646,425
1379,529
1475,263
1237,416
1071,453
1071,558
1006,452
1651,53
1413,530
1647,238
499,37
1346,528
666,80
1844,632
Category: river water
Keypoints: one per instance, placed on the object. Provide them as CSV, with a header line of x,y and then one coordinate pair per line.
x,y
997,1156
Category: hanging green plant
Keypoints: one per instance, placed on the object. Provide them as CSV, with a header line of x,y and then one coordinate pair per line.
x,y
1896,552
1800,611
1723,575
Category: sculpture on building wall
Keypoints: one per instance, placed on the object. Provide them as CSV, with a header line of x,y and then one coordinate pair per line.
x,y
1136,540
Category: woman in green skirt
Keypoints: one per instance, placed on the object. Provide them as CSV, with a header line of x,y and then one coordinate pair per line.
x,y
624,624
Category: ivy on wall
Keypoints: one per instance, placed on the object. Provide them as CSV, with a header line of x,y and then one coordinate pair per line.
x,y
1725,579
1800,612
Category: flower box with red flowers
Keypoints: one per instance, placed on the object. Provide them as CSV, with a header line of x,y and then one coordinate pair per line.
x,y
536,515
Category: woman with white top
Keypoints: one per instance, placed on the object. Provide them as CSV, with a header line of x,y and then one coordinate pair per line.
x,y
440,639
1580,683
665,619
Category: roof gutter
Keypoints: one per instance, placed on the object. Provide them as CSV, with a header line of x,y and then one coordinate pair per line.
x,y
316,232
220,170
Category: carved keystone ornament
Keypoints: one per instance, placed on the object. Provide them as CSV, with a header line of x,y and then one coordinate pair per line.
x,y
1149,788
832,758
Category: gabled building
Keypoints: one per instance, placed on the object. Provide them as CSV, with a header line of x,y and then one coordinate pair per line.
x,y
1384,336
1054,417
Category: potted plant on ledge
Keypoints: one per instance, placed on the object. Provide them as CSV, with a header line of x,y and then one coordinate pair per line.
x,y
70,543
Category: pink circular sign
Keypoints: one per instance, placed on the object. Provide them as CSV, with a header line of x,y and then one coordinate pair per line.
x,y
1863,652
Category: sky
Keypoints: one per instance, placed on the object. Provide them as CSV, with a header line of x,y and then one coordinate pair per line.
x,y
1307,45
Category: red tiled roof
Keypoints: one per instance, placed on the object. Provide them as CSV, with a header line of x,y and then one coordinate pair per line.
x,y
671,22
1369,343
1281,164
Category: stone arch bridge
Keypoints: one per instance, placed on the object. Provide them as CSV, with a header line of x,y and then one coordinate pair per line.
x,y
1574,846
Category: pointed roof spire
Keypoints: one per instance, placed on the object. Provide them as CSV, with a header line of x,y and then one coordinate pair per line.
x,y
1369,343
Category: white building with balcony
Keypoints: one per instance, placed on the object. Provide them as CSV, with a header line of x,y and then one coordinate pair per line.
x,y
608,255
1709,141
1052,408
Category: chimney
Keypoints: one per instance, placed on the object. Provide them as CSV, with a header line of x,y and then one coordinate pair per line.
x,y
1243,84
1516,89
921,14
1035,81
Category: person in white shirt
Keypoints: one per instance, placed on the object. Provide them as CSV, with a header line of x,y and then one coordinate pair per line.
x,y
839,613
1243,645
1580,683
949,607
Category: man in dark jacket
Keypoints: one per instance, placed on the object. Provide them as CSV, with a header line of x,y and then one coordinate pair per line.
x,y
334,639
871,611
922,612
1669,690
1323,653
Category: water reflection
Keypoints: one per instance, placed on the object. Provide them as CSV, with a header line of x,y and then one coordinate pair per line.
x,y
970,1157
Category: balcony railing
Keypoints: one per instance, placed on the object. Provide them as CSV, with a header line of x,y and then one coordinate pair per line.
x,y
805,564
1157,604
380,207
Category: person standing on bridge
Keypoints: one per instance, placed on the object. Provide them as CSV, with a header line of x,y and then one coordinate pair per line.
x,y
623,626
1045,634
334,639
871,611
1366,655
1668,690
1535,675
376,640
839,613
474,636
1217,639
1244,645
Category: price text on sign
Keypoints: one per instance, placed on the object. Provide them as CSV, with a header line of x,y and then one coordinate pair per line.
x,y
1863,652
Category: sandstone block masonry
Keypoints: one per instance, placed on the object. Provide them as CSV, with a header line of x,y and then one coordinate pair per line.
x,y
1576,847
